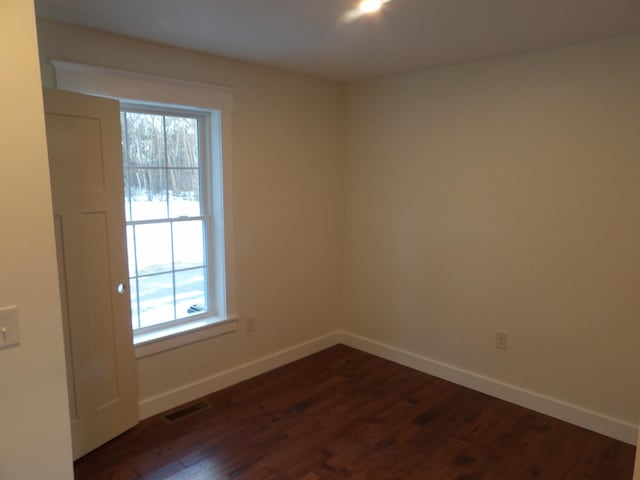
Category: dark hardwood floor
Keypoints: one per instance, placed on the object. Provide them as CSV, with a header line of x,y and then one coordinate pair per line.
x,y
343,414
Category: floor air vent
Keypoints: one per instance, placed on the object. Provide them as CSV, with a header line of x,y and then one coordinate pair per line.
x,y
186,411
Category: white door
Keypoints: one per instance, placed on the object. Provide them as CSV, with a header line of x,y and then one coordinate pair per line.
x,y
85,159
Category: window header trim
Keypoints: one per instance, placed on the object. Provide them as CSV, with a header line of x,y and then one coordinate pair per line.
x,y
140,88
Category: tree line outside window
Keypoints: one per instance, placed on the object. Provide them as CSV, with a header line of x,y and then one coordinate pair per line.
x,y
162,156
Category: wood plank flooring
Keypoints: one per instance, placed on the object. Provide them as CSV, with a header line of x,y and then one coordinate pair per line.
x,y
344,414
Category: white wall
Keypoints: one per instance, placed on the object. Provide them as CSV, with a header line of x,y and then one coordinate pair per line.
x,y
503,195
287,169
34,415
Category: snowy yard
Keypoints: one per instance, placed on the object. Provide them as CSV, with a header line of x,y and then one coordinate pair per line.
x,y
167,258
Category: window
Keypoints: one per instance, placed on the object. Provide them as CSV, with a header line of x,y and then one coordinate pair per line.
x,y
168,215
178,201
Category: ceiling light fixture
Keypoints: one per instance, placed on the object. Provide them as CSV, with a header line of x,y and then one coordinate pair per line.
x,y
364,8
370,6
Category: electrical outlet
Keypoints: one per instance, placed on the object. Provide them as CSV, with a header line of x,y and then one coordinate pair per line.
x,y
501,340
250,324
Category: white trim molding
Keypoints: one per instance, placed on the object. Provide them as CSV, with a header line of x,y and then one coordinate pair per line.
x,y
175,336
636,470
576,415
140,87
189,392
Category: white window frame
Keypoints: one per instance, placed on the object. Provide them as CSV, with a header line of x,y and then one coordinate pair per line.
x,y
207,198
216,101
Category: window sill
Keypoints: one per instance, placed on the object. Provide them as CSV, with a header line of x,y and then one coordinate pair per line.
x,y
146,344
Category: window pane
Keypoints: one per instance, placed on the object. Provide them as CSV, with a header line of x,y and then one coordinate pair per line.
x,y
135,316
188,244
182,142
184,192
145,140
190,292
131,251
147,188
156,299
153,248
127,197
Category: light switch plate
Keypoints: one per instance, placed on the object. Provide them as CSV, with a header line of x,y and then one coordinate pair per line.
x,y
9,328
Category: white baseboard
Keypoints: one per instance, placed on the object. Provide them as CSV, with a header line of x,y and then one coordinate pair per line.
x,y
148,407
576,415
573,414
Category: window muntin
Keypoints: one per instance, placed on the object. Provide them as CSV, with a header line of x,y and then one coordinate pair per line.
x,y
168,215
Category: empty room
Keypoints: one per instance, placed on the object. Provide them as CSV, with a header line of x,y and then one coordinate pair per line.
x,y
271,239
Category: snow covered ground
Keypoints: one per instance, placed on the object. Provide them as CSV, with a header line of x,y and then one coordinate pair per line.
x,y
154,250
